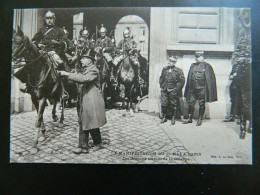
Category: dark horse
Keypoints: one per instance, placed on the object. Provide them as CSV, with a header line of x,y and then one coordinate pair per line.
x,y
40,76
107,78
130,87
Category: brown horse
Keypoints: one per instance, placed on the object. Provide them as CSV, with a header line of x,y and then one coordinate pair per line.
x,y
41,78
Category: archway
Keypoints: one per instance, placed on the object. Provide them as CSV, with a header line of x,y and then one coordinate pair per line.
x,y
139,31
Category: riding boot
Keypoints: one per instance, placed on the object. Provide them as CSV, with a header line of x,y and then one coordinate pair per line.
x,y
164,110
191,110
201,113
242,134
174,113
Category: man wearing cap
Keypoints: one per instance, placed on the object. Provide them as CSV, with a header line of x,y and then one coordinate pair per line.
x,y
90,104
200,86
233,92
171,82
128,46
53,40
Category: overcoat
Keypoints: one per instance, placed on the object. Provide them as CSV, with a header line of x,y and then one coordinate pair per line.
x,y
210,88
91,105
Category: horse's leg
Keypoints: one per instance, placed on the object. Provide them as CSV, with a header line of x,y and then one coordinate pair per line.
x,y
54,116
38,124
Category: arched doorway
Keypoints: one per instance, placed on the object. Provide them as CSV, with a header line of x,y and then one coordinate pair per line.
x,y
139,31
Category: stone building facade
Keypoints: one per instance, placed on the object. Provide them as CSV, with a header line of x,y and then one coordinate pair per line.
x,y
172,31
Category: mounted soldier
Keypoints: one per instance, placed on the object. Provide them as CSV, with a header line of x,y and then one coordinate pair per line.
x,y
128,47
88,42
105,48
54,41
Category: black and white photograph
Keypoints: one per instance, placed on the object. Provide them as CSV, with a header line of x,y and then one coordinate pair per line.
x,y
131,85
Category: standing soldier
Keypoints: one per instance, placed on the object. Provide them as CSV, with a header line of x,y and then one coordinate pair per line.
x,y
233,92
53,40
201,86
243,90
171,82
128,47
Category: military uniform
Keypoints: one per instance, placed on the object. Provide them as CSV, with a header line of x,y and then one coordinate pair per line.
x,y
45,36
171,82
201,87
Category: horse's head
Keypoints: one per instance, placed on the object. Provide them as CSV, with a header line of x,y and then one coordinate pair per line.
x,y
19,43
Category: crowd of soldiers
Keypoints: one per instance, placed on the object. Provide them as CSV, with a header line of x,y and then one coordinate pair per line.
x,y
65,52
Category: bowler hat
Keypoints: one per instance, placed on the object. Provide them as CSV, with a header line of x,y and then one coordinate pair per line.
x,y
88,53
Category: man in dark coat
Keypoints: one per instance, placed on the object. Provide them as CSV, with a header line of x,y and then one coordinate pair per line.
x,y
171,82
233,93
200,86
243,81
90,105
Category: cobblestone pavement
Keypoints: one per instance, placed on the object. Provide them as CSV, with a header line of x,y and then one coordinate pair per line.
x,y
128,140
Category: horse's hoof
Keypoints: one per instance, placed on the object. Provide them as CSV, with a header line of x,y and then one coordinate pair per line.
x,y
60,125
34,151
42,138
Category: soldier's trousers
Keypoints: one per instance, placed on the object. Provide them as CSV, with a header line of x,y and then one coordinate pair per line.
x,y
234,99
245,100
169,98
196,95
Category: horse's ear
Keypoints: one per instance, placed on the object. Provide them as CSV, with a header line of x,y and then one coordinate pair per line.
x,y
19,31
14,32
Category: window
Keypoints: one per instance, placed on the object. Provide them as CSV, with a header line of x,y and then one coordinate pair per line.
x,y
198,26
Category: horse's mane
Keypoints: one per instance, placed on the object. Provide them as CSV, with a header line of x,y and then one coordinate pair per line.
x,y
31,45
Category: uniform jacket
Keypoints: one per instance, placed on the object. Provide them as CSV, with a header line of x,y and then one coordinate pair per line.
x,y
177,80
211,88
45,35
105,43
127,45
91,106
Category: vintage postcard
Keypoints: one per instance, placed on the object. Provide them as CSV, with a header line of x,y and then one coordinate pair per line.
x,y
131,85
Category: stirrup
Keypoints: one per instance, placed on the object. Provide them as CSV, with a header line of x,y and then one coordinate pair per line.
x,y
65,95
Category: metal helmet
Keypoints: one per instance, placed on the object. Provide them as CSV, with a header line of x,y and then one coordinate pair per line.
x,y
85,32
127,31
102,29
49,14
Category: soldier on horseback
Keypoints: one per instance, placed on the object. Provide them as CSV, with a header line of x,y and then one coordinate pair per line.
x,y
105,47
128,47
54,41
88,42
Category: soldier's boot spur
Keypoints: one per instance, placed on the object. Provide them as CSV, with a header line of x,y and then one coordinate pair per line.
x,y
229,119
174,112
164,119
189,120
199,122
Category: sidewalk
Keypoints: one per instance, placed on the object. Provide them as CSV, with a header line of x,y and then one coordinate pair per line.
x,y
131,140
